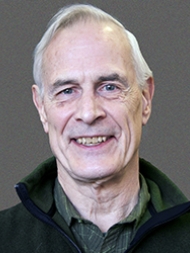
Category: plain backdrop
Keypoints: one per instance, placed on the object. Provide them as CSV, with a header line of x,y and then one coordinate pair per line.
x,y
163,31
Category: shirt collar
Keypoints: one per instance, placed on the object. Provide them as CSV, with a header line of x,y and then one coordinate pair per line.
x,y
64,205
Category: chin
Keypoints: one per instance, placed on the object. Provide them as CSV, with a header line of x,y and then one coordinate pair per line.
x,y
95,174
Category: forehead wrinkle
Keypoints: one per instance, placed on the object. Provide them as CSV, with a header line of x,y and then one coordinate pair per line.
x,y
107,31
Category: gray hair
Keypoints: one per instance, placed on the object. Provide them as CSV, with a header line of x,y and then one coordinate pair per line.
x,y
68,16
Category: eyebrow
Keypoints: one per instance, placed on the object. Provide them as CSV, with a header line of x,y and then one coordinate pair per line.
x,y
59,83
113,77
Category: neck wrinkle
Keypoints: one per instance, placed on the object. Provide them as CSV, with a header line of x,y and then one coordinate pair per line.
x,y
106,203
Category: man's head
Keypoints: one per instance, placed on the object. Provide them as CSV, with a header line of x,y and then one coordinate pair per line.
x,y
92,104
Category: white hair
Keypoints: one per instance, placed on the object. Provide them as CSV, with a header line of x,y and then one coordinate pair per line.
x,y
68,16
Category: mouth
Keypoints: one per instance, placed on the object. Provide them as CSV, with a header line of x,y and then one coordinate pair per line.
x,y
92,141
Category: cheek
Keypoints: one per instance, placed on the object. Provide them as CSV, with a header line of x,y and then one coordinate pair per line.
x,y
133,103
129,117
59,118
55,119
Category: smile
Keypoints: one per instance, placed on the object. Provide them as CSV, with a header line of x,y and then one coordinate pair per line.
x,y
89,141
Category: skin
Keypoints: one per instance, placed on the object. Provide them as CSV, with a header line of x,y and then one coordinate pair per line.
x,y
90,90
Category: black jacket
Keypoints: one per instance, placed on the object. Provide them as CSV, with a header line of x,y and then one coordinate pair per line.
x,y
35,225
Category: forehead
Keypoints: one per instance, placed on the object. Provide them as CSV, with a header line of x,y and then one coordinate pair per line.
x,y
85,44
91,27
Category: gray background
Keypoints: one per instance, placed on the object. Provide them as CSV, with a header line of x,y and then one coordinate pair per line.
x,y
163,31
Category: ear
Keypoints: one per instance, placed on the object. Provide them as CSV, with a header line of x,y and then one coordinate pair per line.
x,y
147,96
39,103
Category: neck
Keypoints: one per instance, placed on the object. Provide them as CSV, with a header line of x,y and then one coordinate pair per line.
x,y
103,203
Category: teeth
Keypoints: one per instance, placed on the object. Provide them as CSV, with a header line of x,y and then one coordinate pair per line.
x,y
91,141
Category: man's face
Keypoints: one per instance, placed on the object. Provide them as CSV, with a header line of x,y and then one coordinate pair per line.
x,y
92,109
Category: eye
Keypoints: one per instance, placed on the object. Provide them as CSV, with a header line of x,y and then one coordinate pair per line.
x,y
110,87
110,90
67,91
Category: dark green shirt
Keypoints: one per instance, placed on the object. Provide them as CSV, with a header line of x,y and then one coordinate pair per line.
x,y
88,235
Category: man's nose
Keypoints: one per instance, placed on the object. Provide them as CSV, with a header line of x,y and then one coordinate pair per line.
x,y
89,108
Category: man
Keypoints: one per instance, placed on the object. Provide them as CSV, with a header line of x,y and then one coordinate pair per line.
x,y
93,93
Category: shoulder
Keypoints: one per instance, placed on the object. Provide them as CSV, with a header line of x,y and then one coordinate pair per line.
x,y
173,236
13,219
20,231
12,214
